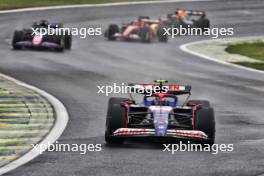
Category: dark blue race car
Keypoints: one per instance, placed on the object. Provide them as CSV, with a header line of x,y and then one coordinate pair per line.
x,y
35,38
160,116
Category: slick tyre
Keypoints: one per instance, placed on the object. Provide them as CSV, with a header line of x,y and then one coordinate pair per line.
x,y
116,118
112,30
204,121
18,36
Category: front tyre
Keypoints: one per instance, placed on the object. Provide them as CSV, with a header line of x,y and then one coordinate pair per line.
x,y
161,35
205,121
203,23
18,36
112,30
116,118
68,41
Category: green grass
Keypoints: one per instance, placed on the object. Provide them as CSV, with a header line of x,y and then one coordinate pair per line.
x,y
253,50
255,65
15,4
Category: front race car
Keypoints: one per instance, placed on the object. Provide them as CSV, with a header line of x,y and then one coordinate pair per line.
x,y
164,126
160,117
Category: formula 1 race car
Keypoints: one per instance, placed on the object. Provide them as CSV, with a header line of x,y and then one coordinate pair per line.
x,y
160,116
143,29
188,18
38,37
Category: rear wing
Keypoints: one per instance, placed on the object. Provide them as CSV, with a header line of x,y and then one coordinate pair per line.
x,y
158,88
192,12
55,25
151,21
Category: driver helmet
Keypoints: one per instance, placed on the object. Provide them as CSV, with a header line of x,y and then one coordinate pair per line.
x,y
43,23
181,13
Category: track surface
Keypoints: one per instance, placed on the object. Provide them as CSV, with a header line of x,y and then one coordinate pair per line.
x,y
237,95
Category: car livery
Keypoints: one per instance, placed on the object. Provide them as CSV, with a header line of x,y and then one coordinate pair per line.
x,y
187,18
160,116
34,38
143,29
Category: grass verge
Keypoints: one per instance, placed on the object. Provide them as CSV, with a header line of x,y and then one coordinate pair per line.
x,y
16,4
255,65
253,49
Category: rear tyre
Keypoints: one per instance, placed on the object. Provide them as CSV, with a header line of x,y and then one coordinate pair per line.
x,y
18,36
112,30
205,121
116,118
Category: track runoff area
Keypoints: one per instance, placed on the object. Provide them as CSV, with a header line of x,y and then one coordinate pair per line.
x,y
25,119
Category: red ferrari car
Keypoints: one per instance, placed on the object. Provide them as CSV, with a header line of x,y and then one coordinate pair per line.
x,y
143,29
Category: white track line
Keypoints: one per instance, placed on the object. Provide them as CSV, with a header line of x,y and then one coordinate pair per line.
x,y
184,47
57,130
98,5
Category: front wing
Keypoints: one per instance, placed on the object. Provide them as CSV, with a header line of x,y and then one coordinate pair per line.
x,y
129,36
42,45
171,133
